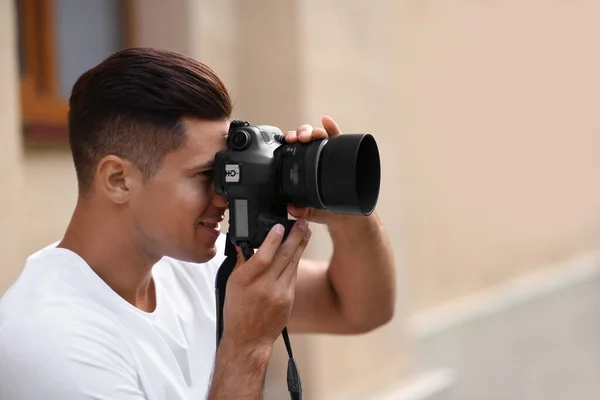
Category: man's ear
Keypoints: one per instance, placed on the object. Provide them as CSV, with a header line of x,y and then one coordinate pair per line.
x,y
116,178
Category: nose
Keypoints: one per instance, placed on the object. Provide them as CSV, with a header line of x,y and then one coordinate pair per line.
x,y
220,201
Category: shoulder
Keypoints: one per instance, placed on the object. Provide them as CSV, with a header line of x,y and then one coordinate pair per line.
x,y
58,346
51,302
58,324
43,271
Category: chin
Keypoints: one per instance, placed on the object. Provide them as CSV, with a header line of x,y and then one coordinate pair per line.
x,y
204,255
199,251
198,255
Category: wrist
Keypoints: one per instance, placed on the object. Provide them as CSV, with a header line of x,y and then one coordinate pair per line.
x,y
239,371
257,351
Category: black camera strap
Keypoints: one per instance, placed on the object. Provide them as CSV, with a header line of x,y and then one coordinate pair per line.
x,y
293,377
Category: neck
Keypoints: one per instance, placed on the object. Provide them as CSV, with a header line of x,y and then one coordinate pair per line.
x,y
110,250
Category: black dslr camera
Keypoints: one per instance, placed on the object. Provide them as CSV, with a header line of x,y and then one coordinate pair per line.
x,y
260,174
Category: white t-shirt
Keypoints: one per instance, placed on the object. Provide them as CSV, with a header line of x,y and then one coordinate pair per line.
x,y
66,335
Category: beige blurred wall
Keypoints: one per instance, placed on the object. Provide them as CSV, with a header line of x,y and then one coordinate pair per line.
x,y
497,139
49,196
38,185
345,52
11,158
485,113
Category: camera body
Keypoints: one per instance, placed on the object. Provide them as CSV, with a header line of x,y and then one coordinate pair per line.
x,y
248,175
260,174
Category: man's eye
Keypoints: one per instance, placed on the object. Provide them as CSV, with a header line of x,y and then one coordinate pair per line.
x,y
208,173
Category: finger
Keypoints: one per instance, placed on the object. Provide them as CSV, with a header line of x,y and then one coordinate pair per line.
x,y
290,272
298,212
331,126
291,137
304,133
264,256
288,247
319,133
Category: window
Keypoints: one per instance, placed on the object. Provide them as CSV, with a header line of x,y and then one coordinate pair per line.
x,y
58,40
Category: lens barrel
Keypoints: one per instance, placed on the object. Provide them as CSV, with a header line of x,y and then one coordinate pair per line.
x,y
341,174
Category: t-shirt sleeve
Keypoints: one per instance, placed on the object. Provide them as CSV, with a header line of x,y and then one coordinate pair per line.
x,y
52,358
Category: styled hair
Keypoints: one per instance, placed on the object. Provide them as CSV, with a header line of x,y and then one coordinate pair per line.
x,y
132,105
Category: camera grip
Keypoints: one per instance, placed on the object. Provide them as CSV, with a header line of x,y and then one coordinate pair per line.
x,y
289,224
249,223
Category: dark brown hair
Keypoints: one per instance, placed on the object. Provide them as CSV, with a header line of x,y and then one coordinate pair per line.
x,y
132,104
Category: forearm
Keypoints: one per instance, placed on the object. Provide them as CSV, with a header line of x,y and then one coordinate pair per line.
x,y
239,372
361,271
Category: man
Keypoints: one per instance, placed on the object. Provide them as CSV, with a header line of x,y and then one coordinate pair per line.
x,y
123,306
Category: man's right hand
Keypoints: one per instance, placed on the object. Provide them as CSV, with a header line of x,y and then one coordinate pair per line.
x,y
260,292
258,304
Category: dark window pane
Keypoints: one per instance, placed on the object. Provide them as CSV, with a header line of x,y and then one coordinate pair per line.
x,y
20,37
86,32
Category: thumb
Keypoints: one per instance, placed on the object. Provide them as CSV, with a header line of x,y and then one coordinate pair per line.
x,y
263,257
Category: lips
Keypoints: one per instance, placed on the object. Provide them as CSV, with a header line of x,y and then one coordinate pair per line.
x,y
212,225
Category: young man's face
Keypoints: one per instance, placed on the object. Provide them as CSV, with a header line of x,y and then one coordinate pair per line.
x,y
177,211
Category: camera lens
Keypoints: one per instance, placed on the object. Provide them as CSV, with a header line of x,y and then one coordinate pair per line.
x,y
240,140
341,174
350,174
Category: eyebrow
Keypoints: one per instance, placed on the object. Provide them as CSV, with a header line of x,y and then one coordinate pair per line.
x,y
203,165
206,165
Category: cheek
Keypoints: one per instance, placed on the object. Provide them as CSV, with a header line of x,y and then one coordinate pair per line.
x,y
153,207
175,204
194,196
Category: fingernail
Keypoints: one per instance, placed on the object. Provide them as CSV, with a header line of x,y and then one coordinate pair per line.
x,y
304,133
279,229
302,224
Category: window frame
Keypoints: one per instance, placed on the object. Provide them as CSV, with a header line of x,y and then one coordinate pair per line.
x,y
43,112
